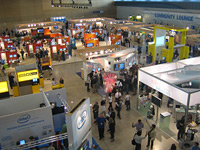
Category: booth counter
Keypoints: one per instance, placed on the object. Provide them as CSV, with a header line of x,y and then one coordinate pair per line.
x,y
4,91
23,119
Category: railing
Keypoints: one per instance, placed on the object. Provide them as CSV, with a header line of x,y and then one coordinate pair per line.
x,y
39,142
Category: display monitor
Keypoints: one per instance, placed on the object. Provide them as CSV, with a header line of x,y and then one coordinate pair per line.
x,y
120,66
94,70
61,49
67,43
160,41
96,33
55,27
64,49
8,46
130,64
192,27
14,55
35,79
5,40
163,58
149,36
155,100
90,44
22,142
40,30
10,56
99,69
11,45
117,43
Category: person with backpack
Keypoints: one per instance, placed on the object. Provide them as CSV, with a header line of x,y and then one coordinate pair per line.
x,y
180,127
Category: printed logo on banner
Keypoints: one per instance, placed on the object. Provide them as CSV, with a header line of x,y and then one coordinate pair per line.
x,y
23,119
81,119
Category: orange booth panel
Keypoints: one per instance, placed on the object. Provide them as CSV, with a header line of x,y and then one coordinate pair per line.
x,y
53,35
92,43
88,36
47,32
99,31
115,38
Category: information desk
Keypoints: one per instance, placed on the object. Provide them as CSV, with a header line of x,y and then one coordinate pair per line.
x,y
57,86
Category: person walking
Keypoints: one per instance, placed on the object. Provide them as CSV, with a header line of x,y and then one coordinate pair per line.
x,y
110,99
173,147
96,110
195,146
180,127
138,140
117,95
87,83
127,101
118,108
22,53
103,106
111,128
151,135
101,121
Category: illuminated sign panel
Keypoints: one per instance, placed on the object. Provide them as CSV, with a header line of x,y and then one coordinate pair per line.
x,y
27,75
3,87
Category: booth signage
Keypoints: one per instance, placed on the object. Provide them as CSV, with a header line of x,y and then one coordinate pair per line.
x,y
81,119
27,75
24,119
3,87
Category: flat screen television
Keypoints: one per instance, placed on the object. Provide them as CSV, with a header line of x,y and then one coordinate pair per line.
x,y
90,44
61,49
155,100
14,55
67,43
94,70
22,142
64,49
55,27
120,66
99,69
10,56
117,43
40,31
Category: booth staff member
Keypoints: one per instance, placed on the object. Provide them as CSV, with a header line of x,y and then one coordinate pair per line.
x,y
53,82
11,80
157,59
61,81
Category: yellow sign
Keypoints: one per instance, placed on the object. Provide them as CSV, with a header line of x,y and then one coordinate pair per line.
x,y
27,75
3,87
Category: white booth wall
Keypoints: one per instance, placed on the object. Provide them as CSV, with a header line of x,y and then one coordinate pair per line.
x,y
79,125
22,117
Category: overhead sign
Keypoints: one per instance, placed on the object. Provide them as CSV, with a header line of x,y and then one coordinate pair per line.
x,y
3,87
166,17
27,75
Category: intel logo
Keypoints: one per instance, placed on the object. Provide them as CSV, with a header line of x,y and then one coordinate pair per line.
x,y
24,118
81,119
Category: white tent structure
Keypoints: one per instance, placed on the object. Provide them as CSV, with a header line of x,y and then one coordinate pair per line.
x,y
165,78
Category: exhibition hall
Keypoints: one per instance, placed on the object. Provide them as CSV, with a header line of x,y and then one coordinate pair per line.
x,y
100,75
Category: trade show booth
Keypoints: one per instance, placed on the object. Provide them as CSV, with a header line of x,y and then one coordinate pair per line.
x,y
115,39
166,47
88,36
179,82
112,59
10,57
28,79
4,91
25,118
